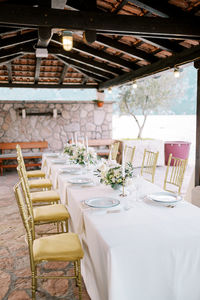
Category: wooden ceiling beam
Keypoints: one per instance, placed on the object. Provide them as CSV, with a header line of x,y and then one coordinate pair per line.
x,y
37,69
9,69
131,51
48,86
105,22
17,40
185,56
83,67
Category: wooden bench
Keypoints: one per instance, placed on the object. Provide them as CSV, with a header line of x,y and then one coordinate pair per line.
x,y
4,157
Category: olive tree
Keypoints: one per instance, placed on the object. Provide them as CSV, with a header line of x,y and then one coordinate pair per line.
x,y
152,95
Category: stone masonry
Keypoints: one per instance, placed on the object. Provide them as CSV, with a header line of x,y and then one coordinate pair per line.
x,y
81,117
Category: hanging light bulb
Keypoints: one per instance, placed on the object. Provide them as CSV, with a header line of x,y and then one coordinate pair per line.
x,y
110,90
176,72
67,40
134,84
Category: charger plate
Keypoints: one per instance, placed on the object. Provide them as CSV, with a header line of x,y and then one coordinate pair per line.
x,y
164,197
80,180
102,202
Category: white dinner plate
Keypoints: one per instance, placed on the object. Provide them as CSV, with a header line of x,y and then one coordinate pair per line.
x,y
52,155
165,197
71,170
102,202
80,180
59,161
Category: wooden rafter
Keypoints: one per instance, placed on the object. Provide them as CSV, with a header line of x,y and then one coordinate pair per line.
x,y
86,74
84,67
9,69
100,54
86,61
75,20
167,63
37,69
131,51
64,72
17,40
8,59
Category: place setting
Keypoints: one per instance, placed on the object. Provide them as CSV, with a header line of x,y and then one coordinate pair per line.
x,y
165,198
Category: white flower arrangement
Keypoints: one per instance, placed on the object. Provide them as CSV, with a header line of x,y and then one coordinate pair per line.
x,y
110,173
69,149
81,155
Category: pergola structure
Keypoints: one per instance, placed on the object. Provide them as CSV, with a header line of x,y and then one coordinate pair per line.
x,y
115,42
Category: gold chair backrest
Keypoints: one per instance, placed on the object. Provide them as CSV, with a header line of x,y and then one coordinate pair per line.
x,y
26,218
129,154
26,191
149,164
27,221
114,151
174,175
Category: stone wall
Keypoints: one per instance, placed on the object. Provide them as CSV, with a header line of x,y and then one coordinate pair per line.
x,y
81,117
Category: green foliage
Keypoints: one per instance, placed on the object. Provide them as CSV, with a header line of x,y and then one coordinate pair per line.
x,y
152,95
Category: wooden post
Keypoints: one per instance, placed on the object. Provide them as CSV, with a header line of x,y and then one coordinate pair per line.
x,y
197,164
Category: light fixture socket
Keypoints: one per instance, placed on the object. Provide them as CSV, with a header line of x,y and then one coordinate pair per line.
x,y
67,40
110,90
176,72
134,84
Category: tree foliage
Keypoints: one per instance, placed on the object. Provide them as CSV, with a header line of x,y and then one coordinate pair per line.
x,y
151,96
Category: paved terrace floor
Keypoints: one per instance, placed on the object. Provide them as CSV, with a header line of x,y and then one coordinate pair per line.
x,y
15,277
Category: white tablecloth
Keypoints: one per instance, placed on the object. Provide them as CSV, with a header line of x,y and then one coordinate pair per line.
x,y
149,252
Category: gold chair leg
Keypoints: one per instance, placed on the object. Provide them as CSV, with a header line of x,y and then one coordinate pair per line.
x,y
36,278
33,285
75,272
79,279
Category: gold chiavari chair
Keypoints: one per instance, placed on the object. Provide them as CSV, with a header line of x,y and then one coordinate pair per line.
x,y
41,197
30,174
149,164
54,213
174,175
34,183
59,247
113,151
129,154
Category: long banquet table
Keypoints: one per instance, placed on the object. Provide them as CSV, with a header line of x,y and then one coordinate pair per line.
x,y
147,252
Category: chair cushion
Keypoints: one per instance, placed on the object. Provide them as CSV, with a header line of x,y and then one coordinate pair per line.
x,y
45,196
39,183
56,212
35,173
61,247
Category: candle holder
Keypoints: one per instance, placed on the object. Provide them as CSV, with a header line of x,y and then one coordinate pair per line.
x,y
123,189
